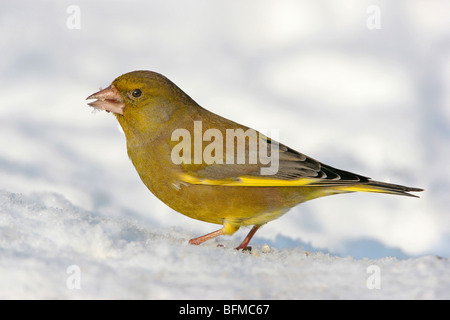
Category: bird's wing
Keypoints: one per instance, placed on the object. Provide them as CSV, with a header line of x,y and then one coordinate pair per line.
x,y
292,168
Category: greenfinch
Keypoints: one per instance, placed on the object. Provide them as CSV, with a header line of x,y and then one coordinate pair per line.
x,y
213,169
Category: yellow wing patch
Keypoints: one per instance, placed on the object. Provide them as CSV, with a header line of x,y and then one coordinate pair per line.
x,y
248,181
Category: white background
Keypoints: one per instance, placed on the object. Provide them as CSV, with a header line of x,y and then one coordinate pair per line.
x,y
372,101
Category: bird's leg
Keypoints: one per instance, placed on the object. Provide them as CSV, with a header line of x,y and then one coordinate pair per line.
x,y
206,237
247,239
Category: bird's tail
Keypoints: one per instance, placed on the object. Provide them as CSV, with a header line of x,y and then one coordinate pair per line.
x,y
382,187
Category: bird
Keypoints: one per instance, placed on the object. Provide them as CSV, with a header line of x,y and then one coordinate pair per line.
x,y
213,169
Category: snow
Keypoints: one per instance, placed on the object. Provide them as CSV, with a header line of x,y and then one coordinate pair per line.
x,y
77,223
45,238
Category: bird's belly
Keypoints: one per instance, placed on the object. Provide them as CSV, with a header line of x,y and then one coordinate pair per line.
x,y
238,205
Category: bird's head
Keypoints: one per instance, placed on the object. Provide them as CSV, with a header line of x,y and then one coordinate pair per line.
x,y
141,99
135,90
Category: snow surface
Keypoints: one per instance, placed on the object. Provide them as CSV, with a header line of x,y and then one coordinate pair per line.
x,y
44,236
375,102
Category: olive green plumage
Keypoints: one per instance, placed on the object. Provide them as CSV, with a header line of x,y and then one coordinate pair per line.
x,y
150,107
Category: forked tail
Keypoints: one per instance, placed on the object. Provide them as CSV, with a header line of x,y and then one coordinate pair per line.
x,y
383,187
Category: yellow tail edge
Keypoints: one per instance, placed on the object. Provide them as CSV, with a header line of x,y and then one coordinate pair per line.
x,y
382,187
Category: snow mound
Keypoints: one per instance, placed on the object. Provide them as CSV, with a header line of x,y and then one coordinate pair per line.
x,y
51,248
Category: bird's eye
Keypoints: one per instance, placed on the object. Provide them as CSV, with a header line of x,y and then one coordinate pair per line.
x,y
136,93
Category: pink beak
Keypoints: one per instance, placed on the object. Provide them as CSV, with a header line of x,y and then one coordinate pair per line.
x,y
108,99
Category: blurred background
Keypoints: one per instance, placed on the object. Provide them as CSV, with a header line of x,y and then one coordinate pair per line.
x,y
360,85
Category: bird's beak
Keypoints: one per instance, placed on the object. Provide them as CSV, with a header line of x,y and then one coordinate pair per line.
x,y
108,99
